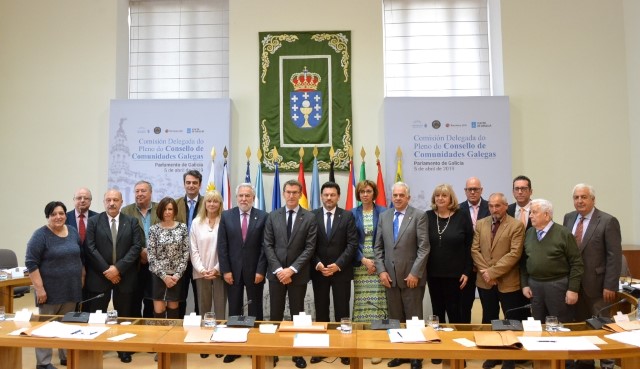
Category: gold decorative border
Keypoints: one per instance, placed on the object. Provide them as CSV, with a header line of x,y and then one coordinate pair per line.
x,y
338,42
271,44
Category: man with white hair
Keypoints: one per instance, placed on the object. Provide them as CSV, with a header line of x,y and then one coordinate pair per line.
x,y
551,267
600,245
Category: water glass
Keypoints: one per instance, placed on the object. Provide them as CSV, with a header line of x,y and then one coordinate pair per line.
x,y
345,325
2,311
209,320
112,317
551,323
433,321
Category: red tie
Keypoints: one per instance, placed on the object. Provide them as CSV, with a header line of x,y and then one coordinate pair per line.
x,y
81,227
579,229
244,226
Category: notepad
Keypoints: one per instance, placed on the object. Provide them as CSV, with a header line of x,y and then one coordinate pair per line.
x,y
311,340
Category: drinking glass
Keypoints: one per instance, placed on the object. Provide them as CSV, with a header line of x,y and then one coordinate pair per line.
x,y
345,325
209,320
433,321
2,311
112,316
551,323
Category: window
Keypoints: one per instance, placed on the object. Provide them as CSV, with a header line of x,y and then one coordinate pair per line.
x,y
438,48
178,49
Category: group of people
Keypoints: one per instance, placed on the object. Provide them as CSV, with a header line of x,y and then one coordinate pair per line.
x,y
145,256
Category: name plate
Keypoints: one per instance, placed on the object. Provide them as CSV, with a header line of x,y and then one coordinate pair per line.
x,y
192,320
302,320
98,317
415,323
23,315
532,325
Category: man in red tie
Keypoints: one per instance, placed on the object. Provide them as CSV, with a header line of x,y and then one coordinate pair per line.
x,y
78,217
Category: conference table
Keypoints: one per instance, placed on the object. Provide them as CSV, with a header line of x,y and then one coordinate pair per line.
x,y
166,337
6,291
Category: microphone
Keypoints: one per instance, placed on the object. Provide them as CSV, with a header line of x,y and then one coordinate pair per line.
x,y
597,322
628,288
509,324
385,323
241,320
77,316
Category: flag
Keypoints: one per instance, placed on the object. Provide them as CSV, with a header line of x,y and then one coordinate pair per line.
x,y
351,189
275,201
303,202
332,176
211,184
315,186
226,188
382,197
258,202
247,176
363,176
399,171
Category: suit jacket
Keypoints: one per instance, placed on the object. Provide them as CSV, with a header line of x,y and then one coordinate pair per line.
x,y
183,208
297,251
71,218
409,253
601,250
501,256
483,211
339,248
357,214
99,249
242,258
511,210
132,211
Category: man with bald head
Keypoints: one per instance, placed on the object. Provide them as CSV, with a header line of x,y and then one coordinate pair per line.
x,y
477,208
79,216
112,250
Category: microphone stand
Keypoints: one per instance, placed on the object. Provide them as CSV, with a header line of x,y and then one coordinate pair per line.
x,y
77,316
509,324
597,322
241,320
383,324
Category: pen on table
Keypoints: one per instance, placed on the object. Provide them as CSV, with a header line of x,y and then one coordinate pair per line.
x,y
399,334
78,331
90,333
547,341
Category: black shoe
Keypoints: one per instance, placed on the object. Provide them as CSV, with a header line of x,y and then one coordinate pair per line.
x,y
219,356
125,357
275,361
397,362
230,358
204,356
508,364
63,362
299,361
490,364
345,360
316,359
436,361
47,366
416,364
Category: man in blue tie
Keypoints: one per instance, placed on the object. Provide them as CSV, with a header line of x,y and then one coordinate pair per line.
x,y
551,266
188,206
401,251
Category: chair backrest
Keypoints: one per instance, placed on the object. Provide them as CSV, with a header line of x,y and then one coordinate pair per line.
x,y
8,259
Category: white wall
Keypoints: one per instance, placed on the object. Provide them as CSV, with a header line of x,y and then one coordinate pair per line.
x,y
565,70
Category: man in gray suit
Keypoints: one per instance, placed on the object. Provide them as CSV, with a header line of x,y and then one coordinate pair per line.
x,y
289,245
600,243
401,251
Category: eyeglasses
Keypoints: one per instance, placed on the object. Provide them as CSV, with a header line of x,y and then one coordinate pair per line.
x,y
521,189
367,191
473,189
80,198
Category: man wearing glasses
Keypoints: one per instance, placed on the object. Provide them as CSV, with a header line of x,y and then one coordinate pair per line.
x,y
522,193
78,218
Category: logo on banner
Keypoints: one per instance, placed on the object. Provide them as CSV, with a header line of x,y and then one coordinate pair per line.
x,y
305,101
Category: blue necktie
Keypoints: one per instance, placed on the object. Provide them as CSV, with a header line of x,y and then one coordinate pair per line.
x,y
328,225
396,225
192,207
540,234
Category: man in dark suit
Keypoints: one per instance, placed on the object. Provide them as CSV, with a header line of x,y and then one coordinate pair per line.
x,y
242,261
112,253
188,206
521,209
79,217
600,244
477,208
401,252
336,245
144,211
289,245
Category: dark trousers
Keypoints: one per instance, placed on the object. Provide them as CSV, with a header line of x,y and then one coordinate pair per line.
x,y
121,302
235,297
142,305
492,299
548,299
468,297
277,297
322,286
187,279
445,298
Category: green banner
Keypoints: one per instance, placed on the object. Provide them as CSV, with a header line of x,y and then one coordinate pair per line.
x,y
305,98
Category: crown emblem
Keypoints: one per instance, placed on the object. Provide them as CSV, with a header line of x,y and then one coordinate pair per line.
x,y
305,80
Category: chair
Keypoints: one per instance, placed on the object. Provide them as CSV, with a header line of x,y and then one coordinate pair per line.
x,y
8,260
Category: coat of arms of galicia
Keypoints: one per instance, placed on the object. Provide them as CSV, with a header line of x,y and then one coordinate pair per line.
x,y
305,102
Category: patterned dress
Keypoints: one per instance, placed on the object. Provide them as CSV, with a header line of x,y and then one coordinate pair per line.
x,y
168,250
367,288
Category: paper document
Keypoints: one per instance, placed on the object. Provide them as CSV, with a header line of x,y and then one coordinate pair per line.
x,y
557,343
61,330
630,337
406,335
311,340
230,335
